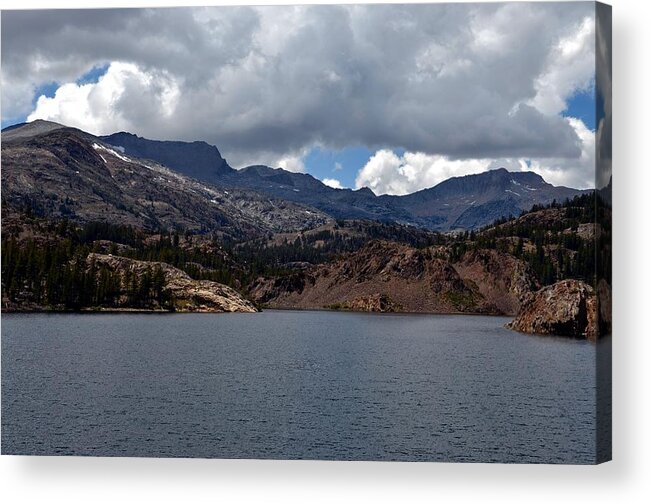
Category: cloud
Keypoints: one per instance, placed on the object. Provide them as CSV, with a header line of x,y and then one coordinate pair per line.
x,y
387,173
291,163
334,183
578,172
265,84
338,166
122,99
570,68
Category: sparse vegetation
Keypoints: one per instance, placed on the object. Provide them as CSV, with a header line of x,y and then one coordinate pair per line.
x,y
44,261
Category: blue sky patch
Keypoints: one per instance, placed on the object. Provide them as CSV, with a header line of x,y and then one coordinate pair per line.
x,y
342,165
583,106
50,88
47,89
93,75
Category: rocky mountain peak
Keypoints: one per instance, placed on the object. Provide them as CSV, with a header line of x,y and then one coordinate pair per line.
x,y
197,159
29,129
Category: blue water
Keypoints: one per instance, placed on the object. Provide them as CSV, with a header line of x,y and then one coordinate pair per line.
x,y
289,384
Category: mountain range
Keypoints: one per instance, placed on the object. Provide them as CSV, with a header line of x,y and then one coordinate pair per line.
x,y
122,223
458,203
58,172
190,185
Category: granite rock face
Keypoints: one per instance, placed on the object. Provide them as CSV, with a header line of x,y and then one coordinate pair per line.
x,y
188,295
64,173
379,303
566,308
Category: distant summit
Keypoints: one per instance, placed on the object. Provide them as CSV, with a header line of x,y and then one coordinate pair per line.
x,y
459,203
474,201
30,129
198,160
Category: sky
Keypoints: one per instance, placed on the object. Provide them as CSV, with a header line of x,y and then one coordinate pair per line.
x,y
392,97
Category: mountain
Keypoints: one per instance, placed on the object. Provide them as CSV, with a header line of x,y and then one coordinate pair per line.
x,y
27,130
304,188
473,201
460,203
190,185
88,226
389,276
198,160
204,162
52,171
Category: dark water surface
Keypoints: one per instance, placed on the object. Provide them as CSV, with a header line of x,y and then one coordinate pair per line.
x,y
286,384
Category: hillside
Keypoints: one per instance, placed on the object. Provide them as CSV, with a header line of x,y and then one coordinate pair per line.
x,y
58,172
459,203
473,201
407,279
495,270
78,214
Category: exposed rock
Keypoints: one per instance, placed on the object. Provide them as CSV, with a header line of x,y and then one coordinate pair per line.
x,y
587,231
413,279
566,308
372,303
188,295
467,202
268,291
60,172
501,278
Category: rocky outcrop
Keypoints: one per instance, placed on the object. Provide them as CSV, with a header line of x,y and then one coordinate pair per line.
x,y
415,280
421,280
380,303
500,277
185,294
566,308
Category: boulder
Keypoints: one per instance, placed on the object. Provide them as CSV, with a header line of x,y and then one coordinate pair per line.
x,y
566,308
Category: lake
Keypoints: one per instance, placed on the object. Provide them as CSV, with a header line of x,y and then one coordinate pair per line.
x,y
295,385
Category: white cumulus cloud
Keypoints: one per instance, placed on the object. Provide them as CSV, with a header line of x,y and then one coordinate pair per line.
x,y
291,163
453,85
387,173
334,183
124,98
458,80
578,172
570,68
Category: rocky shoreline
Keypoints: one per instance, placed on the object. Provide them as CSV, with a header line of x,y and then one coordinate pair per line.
x,y
569,308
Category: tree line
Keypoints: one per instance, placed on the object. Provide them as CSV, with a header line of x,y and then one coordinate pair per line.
x,y
60,275
54,270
